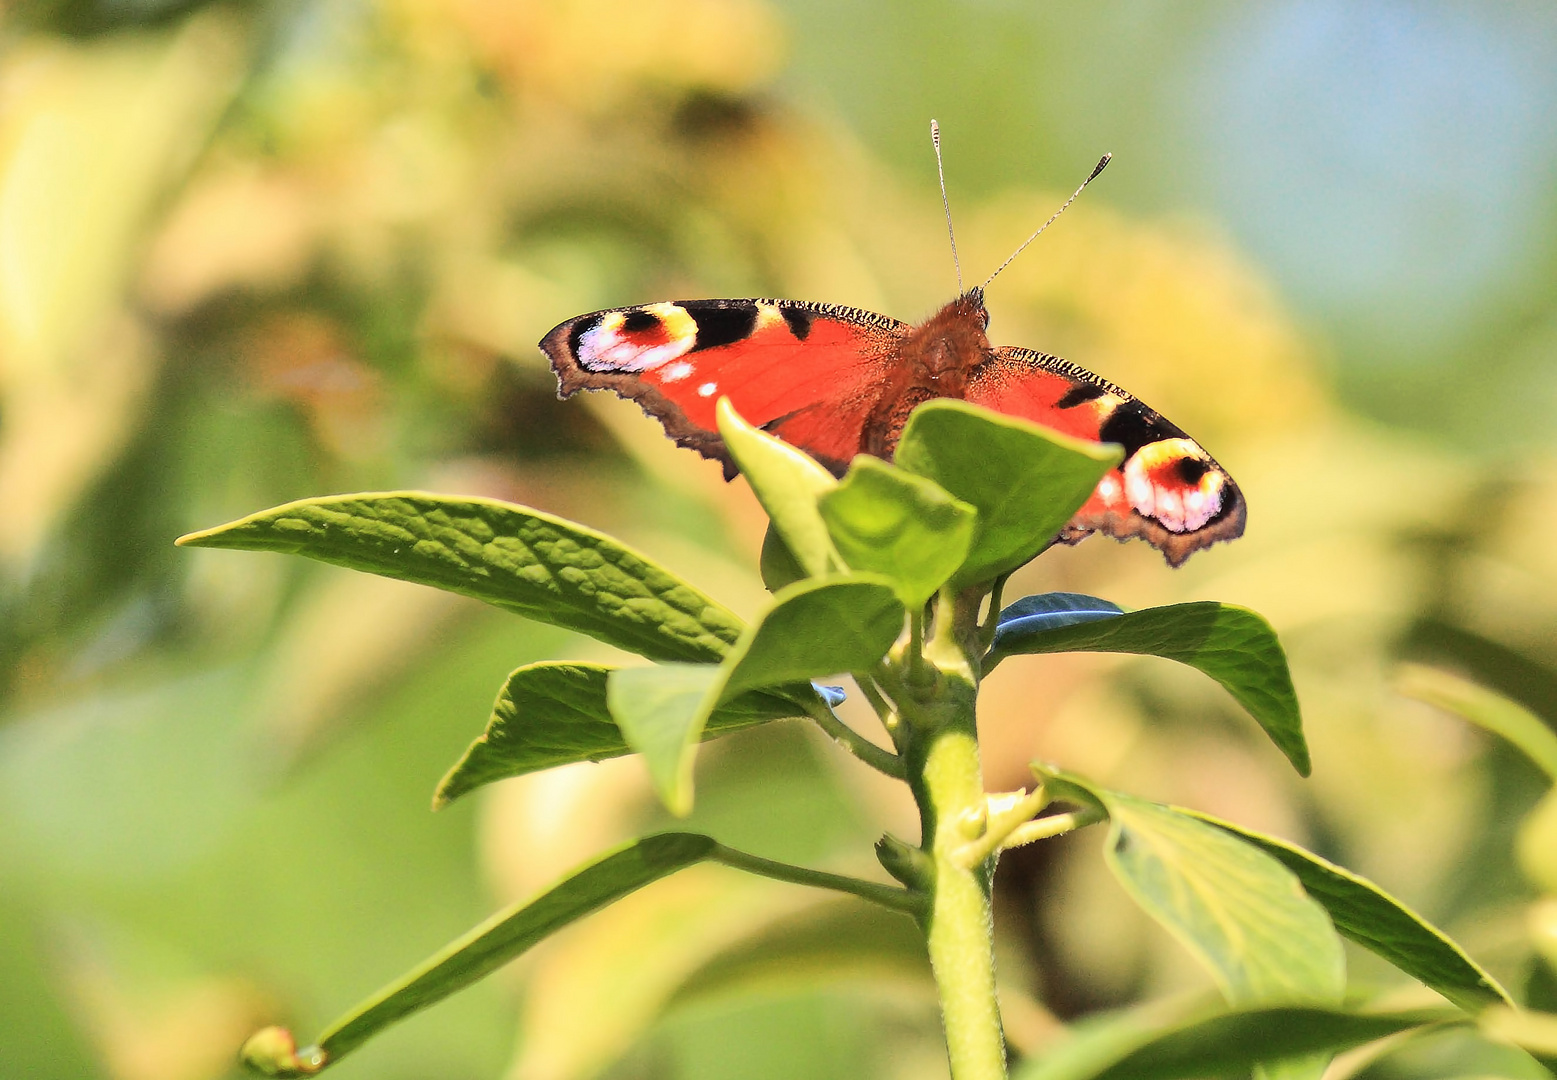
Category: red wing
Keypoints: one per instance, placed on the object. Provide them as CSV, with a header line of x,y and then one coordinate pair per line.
x,y
1167,490
809,373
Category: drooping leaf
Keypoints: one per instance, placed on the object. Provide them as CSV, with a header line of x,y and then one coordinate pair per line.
x,y
1137,1045
551,714
522,560
1379,923
662,711
1050,611
888,521
486,948
1025,481
1236,908
787,483
1233,645
813,628
1485,708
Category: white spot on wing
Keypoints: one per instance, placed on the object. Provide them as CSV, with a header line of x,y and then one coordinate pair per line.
x,y
707,389
677,371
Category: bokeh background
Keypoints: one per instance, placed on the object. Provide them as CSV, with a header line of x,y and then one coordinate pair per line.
x,y
254,251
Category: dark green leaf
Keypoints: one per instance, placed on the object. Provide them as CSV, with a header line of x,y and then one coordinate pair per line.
x,y
1380,923
554,713
1237,909
522,560
1231,644
495,942
1050,611
888,521
787,483
1138,1046
1025,481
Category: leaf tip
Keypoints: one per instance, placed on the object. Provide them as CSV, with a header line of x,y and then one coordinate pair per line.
x,y
272,1051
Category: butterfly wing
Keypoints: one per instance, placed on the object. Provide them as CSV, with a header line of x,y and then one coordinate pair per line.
x,y
809,373
1167,489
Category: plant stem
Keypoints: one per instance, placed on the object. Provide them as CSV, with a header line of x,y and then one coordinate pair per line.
x,y
940,749
1053,825
876,757
887,895
944,773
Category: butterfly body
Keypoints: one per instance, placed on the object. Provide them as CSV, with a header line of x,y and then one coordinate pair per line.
x,y
838,381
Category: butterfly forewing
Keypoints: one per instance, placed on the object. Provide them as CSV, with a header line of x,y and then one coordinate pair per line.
x,y
809,373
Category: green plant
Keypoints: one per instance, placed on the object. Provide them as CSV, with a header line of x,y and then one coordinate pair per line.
x,y
893,576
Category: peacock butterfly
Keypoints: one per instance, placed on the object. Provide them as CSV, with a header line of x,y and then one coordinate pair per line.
x,y
838,381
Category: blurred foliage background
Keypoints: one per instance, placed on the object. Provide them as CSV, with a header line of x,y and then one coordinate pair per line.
x,y
257,250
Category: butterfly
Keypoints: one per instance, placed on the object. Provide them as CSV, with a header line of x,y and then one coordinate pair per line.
x,y
838,381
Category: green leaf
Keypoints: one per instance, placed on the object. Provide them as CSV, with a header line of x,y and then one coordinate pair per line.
x,y
1139,1046
1379,923
787,483
512,931
889,521
1486,709
489,946
810,629
1237,909
552,714
778,564
816,628
1233,645
662,712
522,560
1025,481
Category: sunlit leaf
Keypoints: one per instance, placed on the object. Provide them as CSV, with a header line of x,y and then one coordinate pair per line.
x,y
810,629
522,560
1024,480
1377,921
778,564
888,521
787,483
550,714
1233,645
1237,909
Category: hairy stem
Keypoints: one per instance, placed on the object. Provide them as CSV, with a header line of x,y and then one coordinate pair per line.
x,y
940,749
876,757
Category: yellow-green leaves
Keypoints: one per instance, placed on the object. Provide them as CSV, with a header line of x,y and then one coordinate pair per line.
x,y
891,522
1242,914
812,628
1025,481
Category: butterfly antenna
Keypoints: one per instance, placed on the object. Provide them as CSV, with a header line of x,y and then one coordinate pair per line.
x,y
1101,165
935,140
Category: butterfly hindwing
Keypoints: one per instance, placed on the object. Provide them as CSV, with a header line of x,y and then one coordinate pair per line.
x,y
1167,489
809,373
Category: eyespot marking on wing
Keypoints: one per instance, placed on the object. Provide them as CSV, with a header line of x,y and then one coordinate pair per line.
x,y
1175,483
636,340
